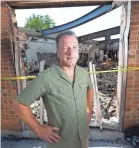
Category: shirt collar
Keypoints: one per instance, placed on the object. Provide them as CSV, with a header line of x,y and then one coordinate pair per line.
x,y
63,75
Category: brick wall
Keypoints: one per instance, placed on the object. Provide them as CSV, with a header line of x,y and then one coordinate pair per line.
x,y
132,91
9,120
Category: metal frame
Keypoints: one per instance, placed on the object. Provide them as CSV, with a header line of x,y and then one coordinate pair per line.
x,y
84,19
103,33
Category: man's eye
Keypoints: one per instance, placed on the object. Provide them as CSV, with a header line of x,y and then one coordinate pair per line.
x,y
75,47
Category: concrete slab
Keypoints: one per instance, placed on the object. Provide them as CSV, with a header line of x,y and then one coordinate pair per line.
x,y
42,144
98,139
105,134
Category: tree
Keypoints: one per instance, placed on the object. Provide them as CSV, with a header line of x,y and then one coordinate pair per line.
x,y
39,22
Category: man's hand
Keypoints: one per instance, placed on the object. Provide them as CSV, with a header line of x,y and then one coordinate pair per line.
x,y
45,132
48,133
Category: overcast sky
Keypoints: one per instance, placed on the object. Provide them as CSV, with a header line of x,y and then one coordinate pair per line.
x,y
64,15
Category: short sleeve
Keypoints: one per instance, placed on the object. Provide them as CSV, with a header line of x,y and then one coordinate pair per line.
x,y
36,89
90,85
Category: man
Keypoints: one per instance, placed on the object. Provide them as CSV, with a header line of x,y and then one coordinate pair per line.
x,y
67,95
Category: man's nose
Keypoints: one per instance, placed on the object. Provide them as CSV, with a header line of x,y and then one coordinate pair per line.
x,y
69,51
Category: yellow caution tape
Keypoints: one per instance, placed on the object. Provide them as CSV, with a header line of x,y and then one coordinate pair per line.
x,y
97,72
116,70
18,78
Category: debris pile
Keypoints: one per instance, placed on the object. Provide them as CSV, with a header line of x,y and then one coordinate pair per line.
x,y
50,58
36,111
107,84
132,135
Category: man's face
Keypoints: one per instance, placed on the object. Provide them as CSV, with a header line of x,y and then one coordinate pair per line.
x,y
68,50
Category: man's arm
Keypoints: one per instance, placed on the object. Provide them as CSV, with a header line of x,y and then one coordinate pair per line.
x,y
25,114
89,104
89,98
22,104
45,132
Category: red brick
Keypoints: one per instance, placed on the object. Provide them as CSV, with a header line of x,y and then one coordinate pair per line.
x,y
4,10
133,116
132,93
11,125
135,5
134,28
133,105
134,42
135,17
132,47
133,122
129,93
136,73
8,113
130,86
135,96
137,52
131,65
131,60
12,112
130,82
135,89
135,22
135,13
136,85
136,80
137,60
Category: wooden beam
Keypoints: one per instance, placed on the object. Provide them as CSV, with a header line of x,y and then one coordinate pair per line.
x,y
55,3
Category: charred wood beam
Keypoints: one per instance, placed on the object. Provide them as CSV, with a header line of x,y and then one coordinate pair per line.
x,y
55,3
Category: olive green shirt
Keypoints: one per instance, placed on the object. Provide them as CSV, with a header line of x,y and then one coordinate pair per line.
x,y
65,101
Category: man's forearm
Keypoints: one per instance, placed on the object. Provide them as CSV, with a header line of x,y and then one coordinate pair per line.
x,y
90,100
25,114
89,103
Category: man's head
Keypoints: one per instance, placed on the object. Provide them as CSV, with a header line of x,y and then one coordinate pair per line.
x,y
67,48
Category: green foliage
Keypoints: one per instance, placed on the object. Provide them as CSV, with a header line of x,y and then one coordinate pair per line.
x,y
39,22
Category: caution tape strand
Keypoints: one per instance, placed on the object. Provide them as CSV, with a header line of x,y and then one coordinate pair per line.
x,y
96,72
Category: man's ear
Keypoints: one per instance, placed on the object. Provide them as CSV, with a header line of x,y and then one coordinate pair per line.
x,y
57,52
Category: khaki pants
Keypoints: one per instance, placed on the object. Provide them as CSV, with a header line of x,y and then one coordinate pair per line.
x,y
87,143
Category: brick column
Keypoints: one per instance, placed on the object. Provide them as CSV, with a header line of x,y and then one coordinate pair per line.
x,y
9,120
132,91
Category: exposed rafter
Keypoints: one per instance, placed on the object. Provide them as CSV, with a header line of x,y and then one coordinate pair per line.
x,y
84,19
102,33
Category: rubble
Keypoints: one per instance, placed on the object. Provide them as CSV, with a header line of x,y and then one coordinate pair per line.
x,y
36,111
132,135
107,83
50,58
